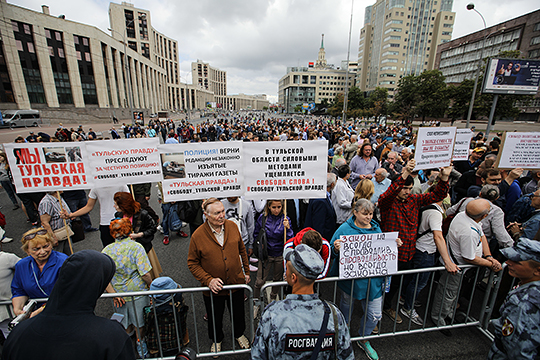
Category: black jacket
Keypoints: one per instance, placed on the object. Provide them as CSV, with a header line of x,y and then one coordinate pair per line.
x,y
68,328
143,222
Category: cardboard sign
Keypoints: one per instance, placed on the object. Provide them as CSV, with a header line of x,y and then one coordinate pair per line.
x,y
462,144
129,161
520,150
201,170
434,147
368,255
285,169
48,166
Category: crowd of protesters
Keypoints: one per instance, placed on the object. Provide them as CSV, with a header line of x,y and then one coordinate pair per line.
x,y
372,186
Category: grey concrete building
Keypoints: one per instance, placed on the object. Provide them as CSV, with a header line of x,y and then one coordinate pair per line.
x,y
400,38
459,58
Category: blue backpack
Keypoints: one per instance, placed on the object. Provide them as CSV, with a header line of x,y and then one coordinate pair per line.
x,y
175,224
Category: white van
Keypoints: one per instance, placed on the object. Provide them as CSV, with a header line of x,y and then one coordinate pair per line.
x,y
15,118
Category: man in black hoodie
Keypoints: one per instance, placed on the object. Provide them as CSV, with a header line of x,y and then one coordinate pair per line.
x,y
68,328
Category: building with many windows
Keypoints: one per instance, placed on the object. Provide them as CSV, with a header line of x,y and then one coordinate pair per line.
x,y
313,84
400,38
459,58
74,71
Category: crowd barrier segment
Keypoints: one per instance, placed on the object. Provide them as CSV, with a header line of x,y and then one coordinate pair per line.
x,y
196,317
471,316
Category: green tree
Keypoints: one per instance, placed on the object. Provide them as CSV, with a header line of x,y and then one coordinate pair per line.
x,y
336,108
406,98
432,94
377,102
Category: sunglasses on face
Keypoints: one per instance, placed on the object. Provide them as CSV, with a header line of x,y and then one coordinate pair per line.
x,y
33,235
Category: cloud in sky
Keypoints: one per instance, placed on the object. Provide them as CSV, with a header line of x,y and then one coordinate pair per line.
x,y
255,41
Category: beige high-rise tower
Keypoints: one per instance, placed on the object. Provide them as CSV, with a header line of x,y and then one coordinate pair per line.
x,y
400,38
321,58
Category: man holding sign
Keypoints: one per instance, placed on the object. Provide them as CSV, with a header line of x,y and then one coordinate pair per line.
x,y
399,211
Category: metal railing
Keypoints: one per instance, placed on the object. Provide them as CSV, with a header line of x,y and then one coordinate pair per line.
x,y
477,313
191,302
473,315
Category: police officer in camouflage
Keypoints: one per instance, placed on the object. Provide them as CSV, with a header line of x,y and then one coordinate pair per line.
x,y
517,331
289,329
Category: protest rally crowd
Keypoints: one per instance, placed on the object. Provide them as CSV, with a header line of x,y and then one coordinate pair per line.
x,y
468,213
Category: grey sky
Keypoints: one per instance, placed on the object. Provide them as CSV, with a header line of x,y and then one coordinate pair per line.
x,y
255,40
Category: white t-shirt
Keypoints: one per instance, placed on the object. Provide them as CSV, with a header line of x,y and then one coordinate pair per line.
x,y
431,220
464,238
7,268
105,196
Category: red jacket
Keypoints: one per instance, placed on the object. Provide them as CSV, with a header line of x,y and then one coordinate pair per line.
x,y
325,251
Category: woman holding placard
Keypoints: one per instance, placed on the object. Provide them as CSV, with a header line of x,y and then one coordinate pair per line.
x,y
368,291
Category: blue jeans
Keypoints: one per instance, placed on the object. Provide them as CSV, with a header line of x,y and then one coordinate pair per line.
x,y
165,207
420,260
372,315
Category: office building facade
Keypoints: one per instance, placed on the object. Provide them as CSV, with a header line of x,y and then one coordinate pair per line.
x,y
312,84
459,58
400,38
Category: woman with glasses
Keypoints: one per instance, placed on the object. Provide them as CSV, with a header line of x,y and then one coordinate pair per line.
x,y
36,274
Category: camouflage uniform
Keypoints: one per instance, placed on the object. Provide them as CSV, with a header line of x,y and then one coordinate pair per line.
x,y
517,331
289,330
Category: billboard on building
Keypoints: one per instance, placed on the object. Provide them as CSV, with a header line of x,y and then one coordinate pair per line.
x,y
512,76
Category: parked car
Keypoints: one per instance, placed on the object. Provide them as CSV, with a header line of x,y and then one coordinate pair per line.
x,y
16,118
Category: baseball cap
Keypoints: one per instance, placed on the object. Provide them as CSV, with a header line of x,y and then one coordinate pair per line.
x,y
305,260
163,283
525,249
480,149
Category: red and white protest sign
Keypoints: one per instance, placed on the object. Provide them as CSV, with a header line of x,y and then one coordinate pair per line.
x,y
48,166
285,169
129,161
201,170
434,147
520,150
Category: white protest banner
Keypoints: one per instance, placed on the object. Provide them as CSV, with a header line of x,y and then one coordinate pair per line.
x,y
434,147
520,150
285,169
368,255
462,144
129,161
201,170
48,166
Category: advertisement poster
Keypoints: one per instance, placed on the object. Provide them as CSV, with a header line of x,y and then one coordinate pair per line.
x,y
124,161
462,144
201,170
512,76
285,169
368,255
48,166
520,150
434,147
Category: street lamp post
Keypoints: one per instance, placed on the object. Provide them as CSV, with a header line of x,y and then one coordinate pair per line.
x,y
124,38
471,104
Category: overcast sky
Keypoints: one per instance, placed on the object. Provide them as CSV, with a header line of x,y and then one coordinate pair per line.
x,y
256,40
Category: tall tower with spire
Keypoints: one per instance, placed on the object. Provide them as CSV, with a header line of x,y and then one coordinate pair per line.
x,y
321,59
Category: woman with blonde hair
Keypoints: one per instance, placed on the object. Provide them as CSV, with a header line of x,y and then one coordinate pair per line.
x,y
36,274
364,190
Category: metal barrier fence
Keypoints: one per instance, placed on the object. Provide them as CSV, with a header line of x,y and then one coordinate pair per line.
x,y
196,324
477,313
472,316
